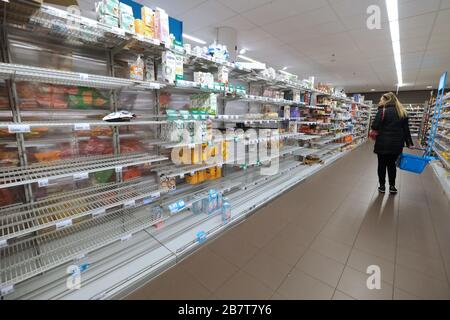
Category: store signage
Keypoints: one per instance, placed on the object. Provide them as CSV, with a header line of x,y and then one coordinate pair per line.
x,y
129,204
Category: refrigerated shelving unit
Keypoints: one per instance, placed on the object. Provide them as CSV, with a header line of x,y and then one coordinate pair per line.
x,y
120,233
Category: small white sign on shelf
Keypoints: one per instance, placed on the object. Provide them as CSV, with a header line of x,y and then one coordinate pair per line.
x,y
6,290
88,22
80,176
119,31
43,183
126,238
98,212
3,243
119,169
129,204
64,223
84,76
19,128
81,127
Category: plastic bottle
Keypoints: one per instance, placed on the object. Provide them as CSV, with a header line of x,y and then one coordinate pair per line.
x,y
226,211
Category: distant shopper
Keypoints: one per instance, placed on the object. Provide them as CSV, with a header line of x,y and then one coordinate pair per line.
x,y
392,133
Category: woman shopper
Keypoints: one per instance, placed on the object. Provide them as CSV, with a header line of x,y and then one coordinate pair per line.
x,y
392,127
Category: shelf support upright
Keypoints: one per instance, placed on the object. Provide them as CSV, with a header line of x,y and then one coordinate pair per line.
x,y
114,108
14,104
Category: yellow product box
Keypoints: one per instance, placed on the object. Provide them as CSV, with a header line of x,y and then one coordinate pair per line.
x,y
148,16
218,173
201,176
211,173
192,179
139,26
196,155
149,32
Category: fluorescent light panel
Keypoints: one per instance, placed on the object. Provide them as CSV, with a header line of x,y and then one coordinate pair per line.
x,y
392,9
189,37
247,58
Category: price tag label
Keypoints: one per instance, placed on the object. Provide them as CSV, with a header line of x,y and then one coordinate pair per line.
x,y
182,176
7,289
80,257
140,37
84,76
126,238
19,128
119,169
156,42
64,223
129,204
3,243
148,200
80,176
88,22
98,212
201,236
81,127
119,31
43,183
155,195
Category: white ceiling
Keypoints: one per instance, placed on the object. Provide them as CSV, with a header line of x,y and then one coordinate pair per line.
x,y
303,35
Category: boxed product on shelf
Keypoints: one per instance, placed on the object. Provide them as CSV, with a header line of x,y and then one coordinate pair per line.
x,y
137,69
211,202
139,26
167,183
162,26
149,69
223,74
179,62
169,64
226,211
126,18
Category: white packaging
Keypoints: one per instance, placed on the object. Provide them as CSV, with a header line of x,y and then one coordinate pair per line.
x,y
124,8
149,70
168,67
223,74
179,72
162,25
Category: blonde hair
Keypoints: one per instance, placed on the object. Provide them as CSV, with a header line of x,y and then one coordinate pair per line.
x,y
390,97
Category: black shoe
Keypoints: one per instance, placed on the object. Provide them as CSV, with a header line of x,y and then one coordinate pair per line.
x,y
393,190
382,189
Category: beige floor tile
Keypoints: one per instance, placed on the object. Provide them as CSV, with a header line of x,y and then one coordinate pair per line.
x,y
208,268
267,269
300,286
277,296
341,296
400,294
331,249
360,261
174,284
354,284
243,286
297,234
420,284
320,267
284,249
233,249
433,267
341,233
376,246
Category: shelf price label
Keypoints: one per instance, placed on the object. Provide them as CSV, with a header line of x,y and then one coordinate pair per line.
x,y
119,169
201,236
6,290
81,127
126,238
88,22
80,176
98,212
84,76
43,183
129,204
19,128
3,243
64,224
119,31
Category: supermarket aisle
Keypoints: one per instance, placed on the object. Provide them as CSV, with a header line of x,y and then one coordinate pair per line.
x,y
317,241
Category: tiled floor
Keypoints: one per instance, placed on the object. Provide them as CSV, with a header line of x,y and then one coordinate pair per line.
x,y
317,241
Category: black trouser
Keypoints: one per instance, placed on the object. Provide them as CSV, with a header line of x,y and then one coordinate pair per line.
x,y
387,161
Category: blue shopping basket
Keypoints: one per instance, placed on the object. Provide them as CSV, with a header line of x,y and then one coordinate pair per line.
x,y
413,163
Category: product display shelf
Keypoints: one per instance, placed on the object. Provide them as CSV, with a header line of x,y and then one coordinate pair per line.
x,y
329,148
245,120
264,100
61,210
445,162
443,125
78,168
442,144
326,141
124,264
44,75
24,259
82,125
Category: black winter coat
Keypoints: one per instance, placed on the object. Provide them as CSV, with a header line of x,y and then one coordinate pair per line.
x,y
393,132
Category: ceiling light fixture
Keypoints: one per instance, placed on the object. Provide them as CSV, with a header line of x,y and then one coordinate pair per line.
x,y
284,68
392,9
242,51
192,38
